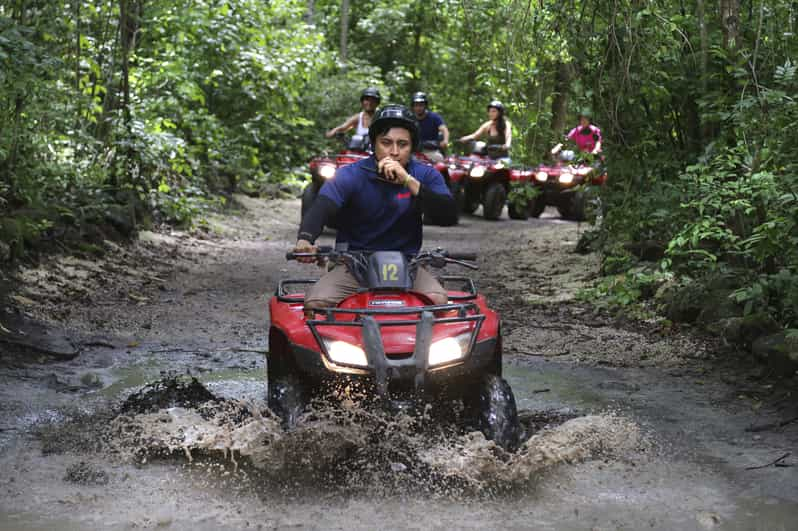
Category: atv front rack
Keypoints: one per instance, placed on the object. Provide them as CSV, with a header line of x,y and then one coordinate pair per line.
x,y
384,367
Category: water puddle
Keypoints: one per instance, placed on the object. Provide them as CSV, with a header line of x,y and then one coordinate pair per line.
x,y
342,448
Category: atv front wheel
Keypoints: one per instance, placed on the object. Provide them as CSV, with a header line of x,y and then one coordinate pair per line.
x,y
497,416
537,206
518,213
459,196
574,209
495,197
288,395
287,398
471,200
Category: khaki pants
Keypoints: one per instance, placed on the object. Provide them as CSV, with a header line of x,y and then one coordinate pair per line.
x,y
339,283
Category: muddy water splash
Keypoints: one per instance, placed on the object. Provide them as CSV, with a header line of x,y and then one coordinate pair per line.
x,y
353,448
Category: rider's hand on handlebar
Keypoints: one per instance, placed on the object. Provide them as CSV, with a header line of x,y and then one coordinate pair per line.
x,y
304,246
392,171
443,144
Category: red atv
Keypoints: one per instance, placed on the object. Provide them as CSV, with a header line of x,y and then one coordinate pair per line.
x,y
487,181
392,343
563,184
323,168
454,182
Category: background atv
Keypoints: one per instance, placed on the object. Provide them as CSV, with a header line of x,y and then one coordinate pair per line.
x,y
454,182
567,184
392,344
487,182
323,167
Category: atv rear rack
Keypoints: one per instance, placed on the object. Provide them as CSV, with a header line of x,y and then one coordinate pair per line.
x,y
384,367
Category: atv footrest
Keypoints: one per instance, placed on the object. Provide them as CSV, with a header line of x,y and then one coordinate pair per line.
x,y
471,288
283,295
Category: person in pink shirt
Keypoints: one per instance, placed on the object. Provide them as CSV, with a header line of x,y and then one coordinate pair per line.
x,y
586,136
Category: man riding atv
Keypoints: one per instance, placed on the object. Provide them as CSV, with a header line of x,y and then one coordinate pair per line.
x,y
379,325
369,100
569,182
432,129
378,203
587,138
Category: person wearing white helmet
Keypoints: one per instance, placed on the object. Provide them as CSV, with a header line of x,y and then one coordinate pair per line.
x,y
497,129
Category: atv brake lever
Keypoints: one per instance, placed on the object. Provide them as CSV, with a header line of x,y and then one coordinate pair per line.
x,y
462,263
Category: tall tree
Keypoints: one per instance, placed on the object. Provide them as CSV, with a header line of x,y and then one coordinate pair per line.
x,y
344,46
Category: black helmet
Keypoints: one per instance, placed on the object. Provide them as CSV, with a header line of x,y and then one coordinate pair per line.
x,y
394,116
496,104
370,92
420,97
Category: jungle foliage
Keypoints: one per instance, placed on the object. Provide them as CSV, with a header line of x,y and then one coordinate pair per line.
x,y
129,109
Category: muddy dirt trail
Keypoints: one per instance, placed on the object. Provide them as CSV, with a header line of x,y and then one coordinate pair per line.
x,y
629,425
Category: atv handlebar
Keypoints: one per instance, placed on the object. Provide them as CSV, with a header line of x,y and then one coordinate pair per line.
x,y
321,251
463,256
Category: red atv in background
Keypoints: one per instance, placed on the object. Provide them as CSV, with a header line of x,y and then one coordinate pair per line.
x,y
392,344
486,181
566,184
454,182
323,167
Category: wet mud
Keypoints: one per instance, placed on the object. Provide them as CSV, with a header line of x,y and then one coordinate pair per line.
x,y
160,419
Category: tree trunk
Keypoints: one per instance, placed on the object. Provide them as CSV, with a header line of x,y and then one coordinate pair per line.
x,y
344,29
730,23
129,16
310,11
559,104
704,40
18,14
77,51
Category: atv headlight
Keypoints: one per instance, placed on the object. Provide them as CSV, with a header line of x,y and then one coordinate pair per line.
x,y
477,172
566,178
541,176
345,353
327,171
449,349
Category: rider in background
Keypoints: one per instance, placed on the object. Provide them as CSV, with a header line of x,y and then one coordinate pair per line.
x,y
378,203
586,136
430,125
497,129
369,100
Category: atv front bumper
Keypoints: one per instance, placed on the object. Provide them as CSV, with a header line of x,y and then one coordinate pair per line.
x,y
407,372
